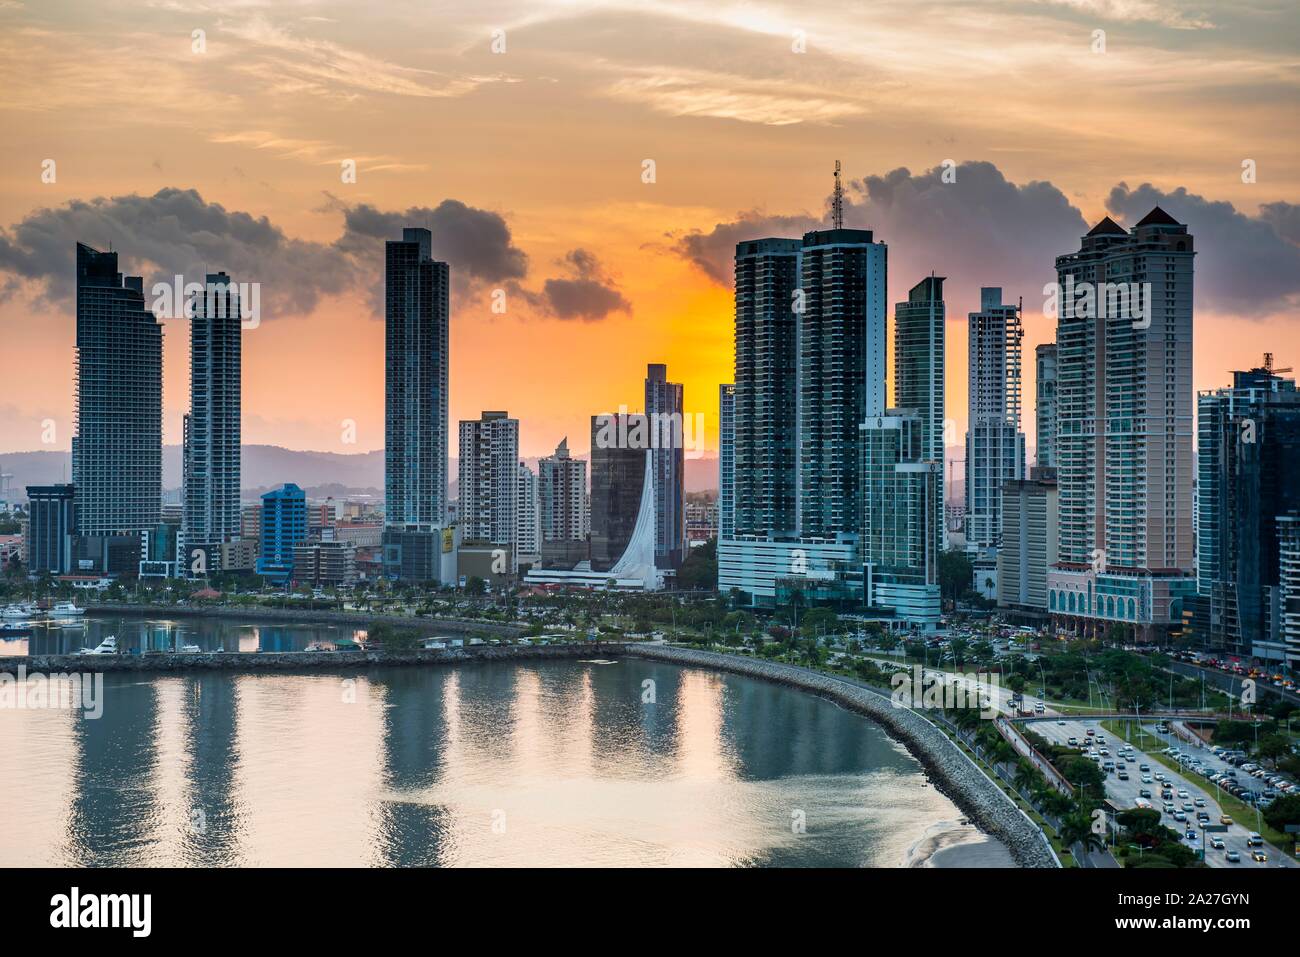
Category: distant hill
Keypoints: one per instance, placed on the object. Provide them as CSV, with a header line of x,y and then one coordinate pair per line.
x,y
268,466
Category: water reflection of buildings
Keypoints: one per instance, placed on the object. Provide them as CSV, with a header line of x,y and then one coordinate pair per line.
x,y
210,714
113,810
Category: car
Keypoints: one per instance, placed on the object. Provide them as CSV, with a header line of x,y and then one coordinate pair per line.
x,y
1216,843
1232,857
1144,767
1260,856
1144,792
1187,805
1180,816
1169,808
1182,793
1123,775
1254,840
1129,758
1060,724
1199,802
1192,835
1146,779
1091,732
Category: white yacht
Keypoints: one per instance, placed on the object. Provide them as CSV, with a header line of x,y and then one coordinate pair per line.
x,y
106,647
66,609
17,612
189,649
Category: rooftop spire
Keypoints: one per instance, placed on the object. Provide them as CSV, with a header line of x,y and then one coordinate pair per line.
x,y
837,204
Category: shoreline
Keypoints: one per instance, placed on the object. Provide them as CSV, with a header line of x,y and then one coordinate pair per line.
x,y
949,769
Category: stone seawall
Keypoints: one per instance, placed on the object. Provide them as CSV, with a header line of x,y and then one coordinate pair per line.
x,y
953,772
319,616
255,661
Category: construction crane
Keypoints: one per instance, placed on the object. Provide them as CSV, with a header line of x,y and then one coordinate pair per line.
x,y
1268,365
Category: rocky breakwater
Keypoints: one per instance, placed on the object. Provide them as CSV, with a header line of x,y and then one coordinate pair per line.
x,y
953,772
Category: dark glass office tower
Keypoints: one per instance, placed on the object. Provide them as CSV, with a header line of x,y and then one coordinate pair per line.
x,y
52,522
1248,460
417,313
841,373
663,406
766,445
212,430
617,481
117,451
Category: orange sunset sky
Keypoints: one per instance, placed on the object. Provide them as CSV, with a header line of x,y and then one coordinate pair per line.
x,y
225,151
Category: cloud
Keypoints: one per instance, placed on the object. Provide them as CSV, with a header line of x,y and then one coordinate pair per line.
x,y
1245,265
979,230
591,295
177,232
174,231
477,243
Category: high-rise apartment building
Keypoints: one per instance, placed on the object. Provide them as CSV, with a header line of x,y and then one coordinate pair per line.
x,y
1124,428
665,411
416,361
562,493
919,372
842,319
528,529
726,461
901,517
1030,521
768,293
1248,474
1288,538
489,479
1045,404
117,451
995,446
211,440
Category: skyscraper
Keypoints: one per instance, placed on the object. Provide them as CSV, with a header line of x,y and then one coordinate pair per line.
x,y
211,447
1248,460
1030,519
1288,537
619,446
562,492
664,408
417,311
919,372
1124,428
841,372
117,451
528,534
995,446
489,479
766,387
901,517
1045,404
726,461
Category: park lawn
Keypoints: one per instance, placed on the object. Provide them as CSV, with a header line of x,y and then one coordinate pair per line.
x,y
1238,810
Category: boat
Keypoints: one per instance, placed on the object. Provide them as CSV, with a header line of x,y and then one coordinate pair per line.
x,y
15,631
189,649
19,612
106,647
66,609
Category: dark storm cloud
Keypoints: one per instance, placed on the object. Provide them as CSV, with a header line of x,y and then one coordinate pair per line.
x,y
979,230
590,295
476,242
1245,265
175,231
172,232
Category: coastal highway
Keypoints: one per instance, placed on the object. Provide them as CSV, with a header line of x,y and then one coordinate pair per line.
x,y
1125,794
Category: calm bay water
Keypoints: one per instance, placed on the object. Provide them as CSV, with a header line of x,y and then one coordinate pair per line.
x,y
529,763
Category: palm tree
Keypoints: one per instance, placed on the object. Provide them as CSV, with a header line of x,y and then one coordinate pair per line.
x,y
1077,829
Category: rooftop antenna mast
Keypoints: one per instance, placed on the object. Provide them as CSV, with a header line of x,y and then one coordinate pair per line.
x,y
837,204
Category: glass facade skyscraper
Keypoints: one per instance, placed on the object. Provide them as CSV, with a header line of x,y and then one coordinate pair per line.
x,y
117,451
